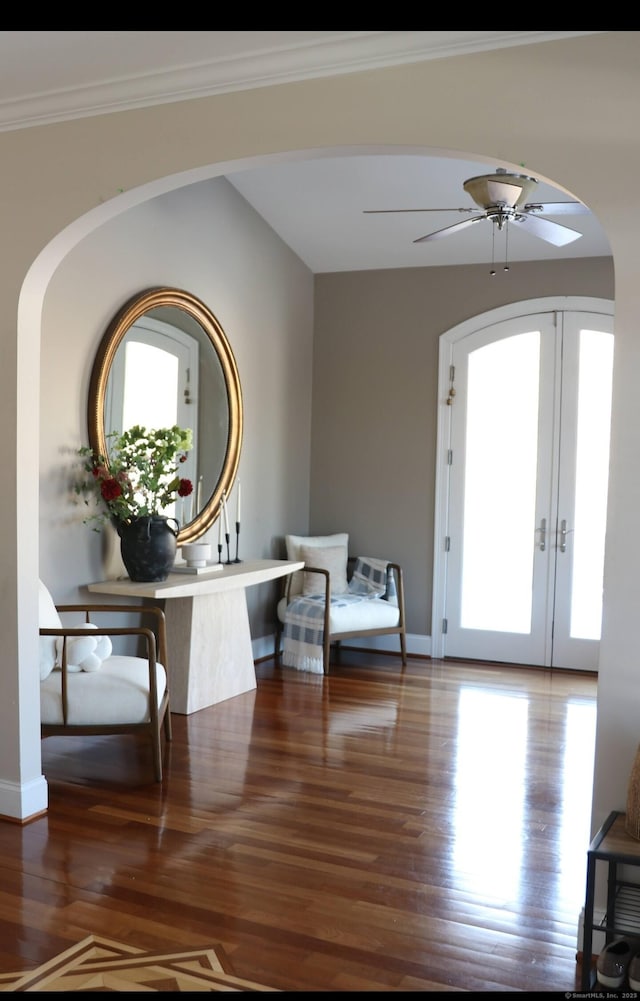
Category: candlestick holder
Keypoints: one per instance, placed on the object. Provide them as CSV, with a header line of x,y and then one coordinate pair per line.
x,y
237,559
219,552
229,561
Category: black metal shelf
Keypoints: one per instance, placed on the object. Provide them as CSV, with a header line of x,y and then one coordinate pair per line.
x,y
615,848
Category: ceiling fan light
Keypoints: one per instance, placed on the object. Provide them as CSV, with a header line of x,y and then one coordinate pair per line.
x,y
507,189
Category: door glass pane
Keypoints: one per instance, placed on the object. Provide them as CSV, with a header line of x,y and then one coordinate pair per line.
x,y
592,470
500,484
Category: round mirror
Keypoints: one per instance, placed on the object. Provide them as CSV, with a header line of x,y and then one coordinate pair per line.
x,y
164,360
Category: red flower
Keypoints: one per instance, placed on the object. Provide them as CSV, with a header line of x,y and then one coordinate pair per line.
x,y
185,487
110,489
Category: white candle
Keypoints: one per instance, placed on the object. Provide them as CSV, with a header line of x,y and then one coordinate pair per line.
x,y
239,496
226,519
220,526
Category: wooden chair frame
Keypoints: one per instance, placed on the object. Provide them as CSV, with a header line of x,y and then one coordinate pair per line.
x,y
154,643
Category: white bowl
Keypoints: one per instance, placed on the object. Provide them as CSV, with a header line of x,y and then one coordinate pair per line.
x,y
196,554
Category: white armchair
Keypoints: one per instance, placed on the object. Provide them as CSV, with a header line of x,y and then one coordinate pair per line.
x,y
87,689
335,597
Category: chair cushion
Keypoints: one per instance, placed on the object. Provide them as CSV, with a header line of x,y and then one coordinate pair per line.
x,y
117,693
48,618
294,542
371,613
331,558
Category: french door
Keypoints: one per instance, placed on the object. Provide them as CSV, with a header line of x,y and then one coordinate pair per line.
x,y
526,406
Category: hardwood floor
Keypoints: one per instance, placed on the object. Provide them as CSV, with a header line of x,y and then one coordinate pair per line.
x,y
373,830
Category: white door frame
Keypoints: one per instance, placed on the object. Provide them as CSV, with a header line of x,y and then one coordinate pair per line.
x,y
447,339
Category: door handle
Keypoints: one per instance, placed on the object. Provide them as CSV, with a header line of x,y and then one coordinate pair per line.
x,y
564,532
543,534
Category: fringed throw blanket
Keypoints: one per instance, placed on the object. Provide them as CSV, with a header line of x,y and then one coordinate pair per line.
x,y
303,634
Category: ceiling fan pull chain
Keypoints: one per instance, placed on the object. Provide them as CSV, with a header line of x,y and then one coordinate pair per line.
x,y
493,251
506,247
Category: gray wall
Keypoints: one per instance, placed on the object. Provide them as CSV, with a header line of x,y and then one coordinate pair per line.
x,y
375,378
205,239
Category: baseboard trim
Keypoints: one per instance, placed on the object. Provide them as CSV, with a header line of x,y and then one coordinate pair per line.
x,y
417,646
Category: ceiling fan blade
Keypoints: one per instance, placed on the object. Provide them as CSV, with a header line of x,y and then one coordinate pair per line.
x,y
456,228
380,211
552,232
556,208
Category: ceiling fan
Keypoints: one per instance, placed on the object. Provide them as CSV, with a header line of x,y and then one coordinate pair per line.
x,y
504,198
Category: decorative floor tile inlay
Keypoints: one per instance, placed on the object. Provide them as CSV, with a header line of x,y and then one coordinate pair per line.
x,y
99,964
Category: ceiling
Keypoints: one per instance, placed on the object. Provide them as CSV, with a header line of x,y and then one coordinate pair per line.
x,y
317,206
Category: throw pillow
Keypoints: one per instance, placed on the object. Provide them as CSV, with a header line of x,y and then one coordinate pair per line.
x,y
84,653
331,558
294,542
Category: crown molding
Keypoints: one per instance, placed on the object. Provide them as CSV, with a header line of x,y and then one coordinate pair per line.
x,y
348,52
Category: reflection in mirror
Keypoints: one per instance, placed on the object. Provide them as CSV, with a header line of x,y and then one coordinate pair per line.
x,y
165,360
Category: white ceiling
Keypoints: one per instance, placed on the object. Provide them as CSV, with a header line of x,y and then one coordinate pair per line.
x,y
316,206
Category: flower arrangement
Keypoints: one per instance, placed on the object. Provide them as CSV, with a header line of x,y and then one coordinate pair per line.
x,y
140,477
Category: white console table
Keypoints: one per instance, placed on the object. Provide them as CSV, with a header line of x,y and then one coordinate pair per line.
x,y
208,637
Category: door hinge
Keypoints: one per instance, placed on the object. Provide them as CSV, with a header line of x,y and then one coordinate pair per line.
x,y
450,457
445,625
447,543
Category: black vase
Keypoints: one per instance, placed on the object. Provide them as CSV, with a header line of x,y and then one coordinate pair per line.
x,y
148,547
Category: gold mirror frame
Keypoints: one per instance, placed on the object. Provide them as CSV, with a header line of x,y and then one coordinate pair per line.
x,y
114,334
